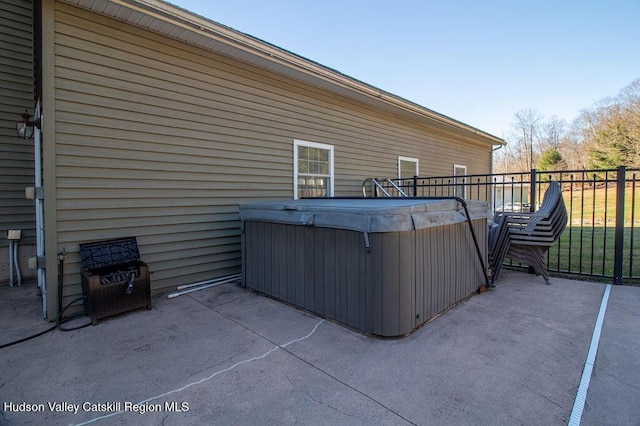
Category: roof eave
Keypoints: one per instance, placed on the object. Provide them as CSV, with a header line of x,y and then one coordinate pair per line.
x,y
178,23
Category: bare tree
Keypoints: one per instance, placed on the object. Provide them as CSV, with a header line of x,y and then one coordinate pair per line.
x,y
603,136
509,158
525,134
552,133
572,149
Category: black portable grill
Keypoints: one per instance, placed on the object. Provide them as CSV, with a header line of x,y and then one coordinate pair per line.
x,y
114,279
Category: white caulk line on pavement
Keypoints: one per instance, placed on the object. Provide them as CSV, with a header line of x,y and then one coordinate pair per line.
x,y
264,355
581,396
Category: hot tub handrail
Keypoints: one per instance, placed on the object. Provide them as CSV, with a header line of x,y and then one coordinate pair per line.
x,y
378,184
466,212
400,191
473,232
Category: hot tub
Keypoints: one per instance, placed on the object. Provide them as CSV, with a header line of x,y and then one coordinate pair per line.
x,y
381,266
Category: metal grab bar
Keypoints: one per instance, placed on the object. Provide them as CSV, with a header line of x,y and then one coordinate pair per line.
x,y
375,184
378,184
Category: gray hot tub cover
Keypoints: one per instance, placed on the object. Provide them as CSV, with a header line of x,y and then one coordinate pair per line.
x,y
366,214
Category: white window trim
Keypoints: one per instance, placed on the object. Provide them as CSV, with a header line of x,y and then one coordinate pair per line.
x,y
408,160
460,166
296,144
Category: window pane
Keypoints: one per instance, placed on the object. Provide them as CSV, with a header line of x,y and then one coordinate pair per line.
x,y
303,152
312,187
407,169
303,166
460,188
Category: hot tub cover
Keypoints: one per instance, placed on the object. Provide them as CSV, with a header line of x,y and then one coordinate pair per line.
x,y
365,214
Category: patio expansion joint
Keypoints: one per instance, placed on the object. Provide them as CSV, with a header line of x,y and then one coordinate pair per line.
x,y
342,382
320,402
617,379
542,395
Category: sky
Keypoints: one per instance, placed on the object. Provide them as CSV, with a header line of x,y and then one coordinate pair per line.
x,y
478,62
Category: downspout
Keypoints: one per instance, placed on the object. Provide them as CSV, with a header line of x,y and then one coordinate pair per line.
x,y
37,136
492,151
44,153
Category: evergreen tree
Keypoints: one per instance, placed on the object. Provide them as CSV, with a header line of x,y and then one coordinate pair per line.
x,y
550,160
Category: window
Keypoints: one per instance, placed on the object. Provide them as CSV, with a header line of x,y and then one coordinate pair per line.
x,y
407,167
312,169
460,182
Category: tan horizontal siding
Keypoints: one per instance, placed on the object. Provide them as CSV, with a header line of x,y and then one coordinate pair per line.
x,y
16,95
161,140
194,79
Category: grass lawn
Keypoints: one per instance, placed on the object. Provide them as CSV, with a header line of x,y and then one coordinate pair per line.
x,y
590,250
599,205
587,244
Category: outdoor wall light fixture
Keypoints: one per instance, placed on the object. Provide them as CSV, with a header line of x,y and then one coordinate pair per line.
x,y
26,126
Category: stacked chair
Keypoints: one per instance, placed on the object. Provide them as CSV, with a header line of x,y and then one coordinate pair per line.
x,y
526,237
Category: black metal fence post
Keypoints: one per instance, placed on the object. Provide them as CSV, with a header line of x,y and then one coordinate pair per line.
x,y
619,235
532,198
415,186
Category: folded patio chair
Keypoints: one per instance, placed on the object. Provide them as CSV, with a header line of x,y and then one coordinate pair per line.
x,y
526,237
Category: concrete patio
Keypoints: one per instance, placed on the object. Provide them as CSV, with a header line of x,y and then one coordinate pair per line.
x,y
225,355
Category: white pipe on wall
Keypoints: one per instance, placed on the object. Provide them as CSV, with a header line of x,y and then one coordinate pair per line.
x,y
215,280
202,285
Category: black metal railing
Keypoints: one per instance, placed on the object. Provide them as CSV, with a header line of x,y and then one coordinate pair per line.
x,y
601,239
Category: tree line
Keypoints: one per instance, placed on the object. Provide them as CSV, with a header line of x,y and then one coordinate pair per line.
x,y
603,136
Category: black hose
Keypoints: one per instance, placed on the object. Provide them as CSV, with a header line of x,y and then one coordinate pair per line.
x,y
28,338
61,310
60,320
61,255
57,325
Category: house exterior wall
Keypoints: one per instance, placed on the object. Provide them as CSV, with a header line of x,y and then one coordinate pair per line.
x,y
161,140
16,155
